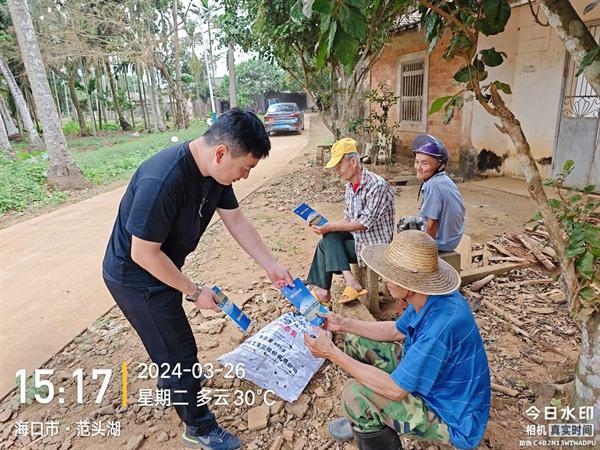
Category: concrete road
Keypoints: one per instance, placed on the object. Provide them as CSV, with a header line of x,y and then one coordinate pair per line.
x,y
51,287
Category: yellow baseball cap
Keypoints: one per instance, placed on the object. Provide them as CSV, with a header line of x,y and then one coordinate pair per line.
x,y
339,149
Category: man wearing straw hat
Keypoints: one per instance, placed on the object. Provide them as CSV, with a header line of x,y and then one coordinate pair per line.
x,y
437,387
368,219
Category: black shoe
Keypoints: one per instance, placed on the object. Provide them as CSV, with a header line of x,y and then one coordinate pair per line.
x,y
340,429
384,439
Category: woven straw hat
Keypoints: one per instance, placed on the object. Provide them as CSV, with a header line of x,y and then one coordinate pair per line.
x,y
411,261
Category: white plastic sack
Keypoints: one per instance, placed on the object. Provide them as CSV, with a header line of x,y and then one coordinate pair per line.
x,y
276,358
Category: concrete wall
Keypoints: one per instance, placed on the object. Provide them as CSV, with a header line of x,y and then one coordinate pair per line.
x,y
534,70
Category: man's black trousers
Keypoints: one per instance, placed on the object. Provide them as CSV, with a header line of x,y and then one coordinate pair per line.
x,y
159,319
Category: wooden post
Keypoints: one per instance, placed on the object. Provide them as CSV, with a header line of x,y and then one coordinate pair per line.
x,y
373,288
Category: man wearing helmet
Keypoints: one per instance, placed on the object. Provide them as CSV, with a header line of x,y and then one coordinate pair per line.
x,y
442,212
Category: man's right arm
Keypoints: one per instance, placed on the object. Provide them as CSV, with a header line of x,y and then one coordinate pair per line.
x,y
431,227
151,258
377,331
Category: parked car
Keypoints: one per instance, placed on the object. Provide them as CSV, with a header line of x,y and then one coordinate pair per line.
x,y
284,117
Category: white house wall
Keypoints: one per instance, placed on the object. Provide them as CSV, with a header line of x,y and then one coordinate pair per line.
x,y
534,70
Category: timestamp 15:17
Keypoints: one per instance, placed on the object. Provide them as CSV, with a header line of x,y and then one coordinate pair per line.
x,y
40,385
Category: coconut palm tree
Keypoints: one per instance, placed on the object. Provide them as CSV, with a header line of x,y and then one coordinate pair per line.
x,y
21,104
63,173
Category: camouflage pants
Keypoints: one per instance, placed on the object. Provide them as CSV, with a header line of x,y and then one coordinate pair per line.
x,y
369,411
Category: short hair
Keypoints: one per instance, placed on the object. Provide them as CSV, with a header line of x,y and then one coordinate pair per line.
x,y
242,131
352,155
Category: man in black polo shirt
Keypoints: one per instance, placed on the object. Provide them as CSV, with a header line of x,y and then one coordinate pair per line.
x,y
168,204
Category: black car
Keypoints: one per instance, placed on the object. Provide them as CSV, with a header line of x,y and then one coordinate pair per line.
x,y
284,117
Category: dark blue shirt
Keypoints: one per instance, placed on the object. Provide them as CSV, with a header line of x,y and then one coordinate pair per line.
x,y
167,201
445,364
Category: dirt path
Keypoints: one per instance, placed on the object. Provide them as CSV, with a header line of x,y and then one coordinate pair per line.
x,y
530,367
50,279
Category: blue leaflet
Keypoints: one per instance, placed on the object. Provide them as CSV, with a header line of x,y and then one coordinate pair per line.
x,y
310,215
231,309
304,302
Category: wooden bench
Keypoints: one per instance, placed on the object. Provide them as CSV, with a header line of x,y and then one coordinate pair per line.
x,y
370,280
452,258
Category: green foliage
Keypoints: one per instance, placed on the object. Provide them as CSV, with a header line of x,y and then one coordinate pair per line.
x,y
103,160
72,127
23,183
376,125
347,26
318,43
256,77
495,15
579,214
450,103
588,59
491,57
468,19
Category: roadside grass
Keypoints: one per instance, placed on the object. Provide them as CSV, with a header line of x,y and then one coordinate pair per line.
x,y
104,159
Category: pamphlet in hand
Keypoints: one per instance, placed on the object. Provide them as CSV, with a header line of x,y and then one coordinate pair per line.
x,y
232,310
310,215
305,302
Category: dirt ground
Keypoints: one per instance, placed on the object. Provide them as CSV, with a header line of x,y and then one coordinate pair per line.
x,y
534,368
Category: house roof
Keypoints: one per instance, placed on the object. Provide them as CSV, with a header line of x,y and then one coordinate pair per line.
x,y
409,20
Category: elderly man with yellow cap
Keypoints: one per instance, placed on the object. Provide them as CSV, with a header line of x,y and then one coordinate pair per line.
x,y
368,219
437,386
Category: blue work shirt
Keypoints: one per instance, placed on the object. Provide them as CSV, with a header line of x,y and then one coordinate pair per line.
x,y
442,201
445,364
168,200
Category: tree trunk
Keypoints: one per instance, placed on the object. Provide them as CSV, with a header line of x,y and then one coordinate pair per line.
x,y
31,107
232,78
21,105
155,106
173,92
99,94
5,146
181,116
587,383
575,35
53,87
63,173
129,98
512,127
89,96
142,93
113,89
66,97
9,123
78,109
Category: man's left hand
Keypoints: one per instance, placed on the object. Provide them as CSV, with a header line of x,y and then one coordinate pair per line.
x,y
279,275
321,346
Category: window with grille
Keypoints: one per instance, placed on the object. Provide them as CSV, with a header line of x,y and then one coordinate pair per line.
x,y
412,92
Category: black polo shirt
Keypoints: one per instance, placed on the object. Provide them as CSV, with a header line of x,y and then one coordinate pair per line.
x,y
167,201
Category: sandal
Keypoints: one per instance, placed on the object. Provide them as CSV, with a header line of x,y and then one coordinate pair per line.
x,y
314,294
350,294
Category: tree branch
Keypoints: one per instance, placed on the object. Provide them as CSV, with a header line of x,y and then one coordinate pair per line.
x,y
448,17
536,15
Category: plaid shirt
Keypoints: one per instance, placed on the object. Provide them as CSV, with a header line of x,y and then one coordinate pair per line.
x,y
372,205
